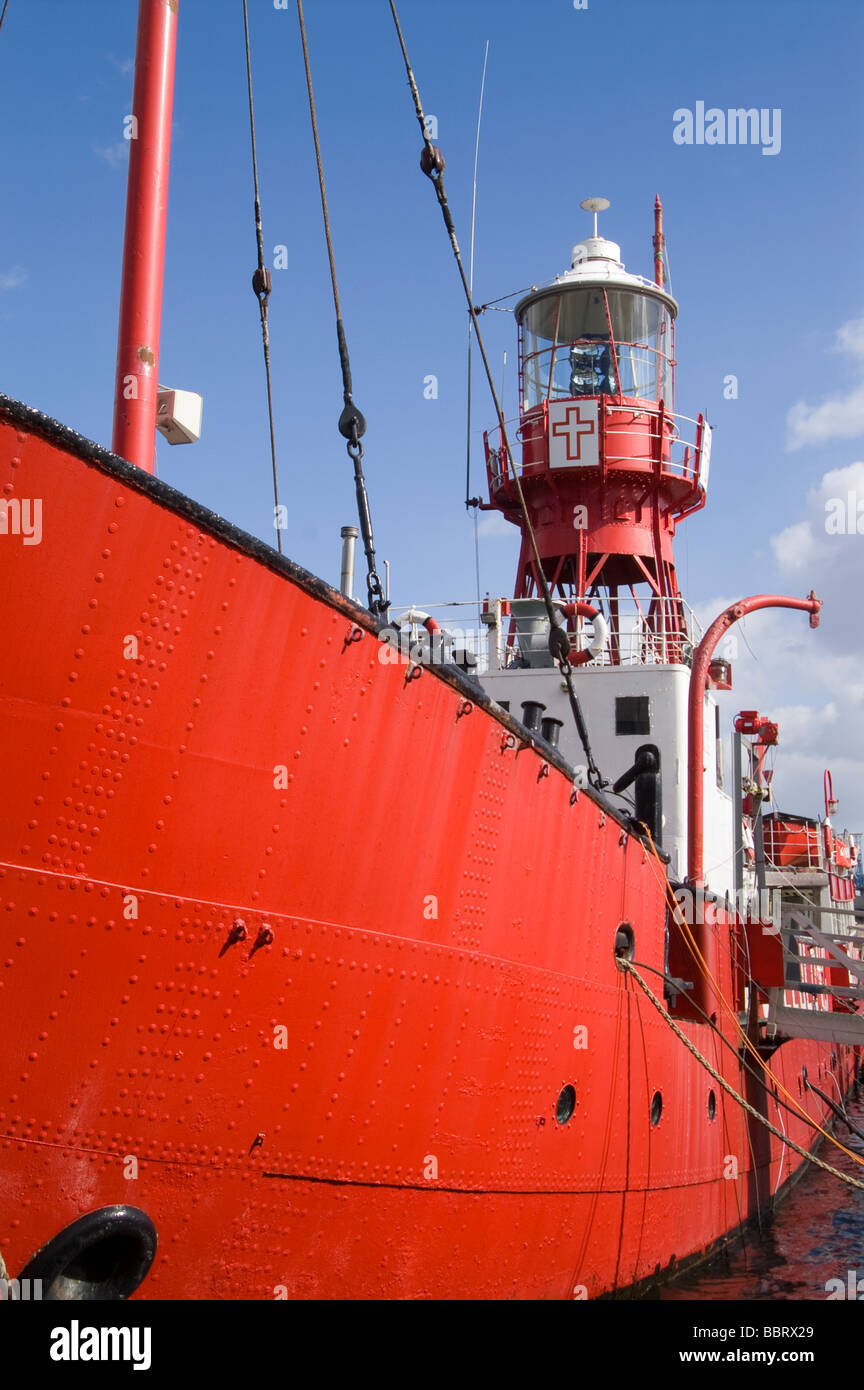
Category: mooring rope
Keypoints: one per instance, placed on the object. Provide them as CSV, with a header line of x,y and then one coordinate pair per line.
x,y
701,965
724,1084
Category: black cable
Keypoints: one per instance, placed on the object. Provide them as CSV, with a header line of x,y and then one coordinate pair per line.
x,y
432,164
841,1114
262,282
352,425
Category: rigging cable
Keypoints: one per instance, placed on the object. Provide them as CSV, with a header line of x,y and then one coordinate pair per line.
x,y
262,284
836,1110
432,164
352,425
3,14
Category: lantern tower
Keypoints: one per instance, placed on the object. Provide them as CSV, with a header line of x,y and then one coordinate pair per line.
x,y
607,469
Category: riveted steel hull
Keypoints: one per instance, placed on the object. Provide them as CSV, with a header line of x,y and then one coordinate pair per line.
x,y
353,1094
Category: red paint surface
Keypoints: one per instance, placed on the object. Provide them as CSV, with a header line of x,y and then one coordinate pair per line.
x,y
408,1036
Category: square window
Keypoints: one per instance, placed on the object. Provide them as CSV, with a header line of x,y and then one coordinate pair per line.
x,y
632,715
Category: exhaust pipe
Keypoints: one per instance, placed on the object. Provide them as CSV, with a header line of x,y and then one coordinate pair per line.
x,y
349,538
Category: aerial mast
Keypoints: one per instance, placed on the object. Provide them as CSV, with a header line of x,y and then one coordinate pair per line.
x,y
136,384
659,242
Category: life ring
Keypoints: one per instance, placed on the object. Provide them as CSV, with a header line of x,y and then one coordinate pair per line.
x,y
440,640
600,636
416,617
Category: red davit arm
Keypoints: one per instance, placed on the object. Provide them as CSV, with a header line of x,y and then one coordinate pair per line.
x,y
696,725
136,384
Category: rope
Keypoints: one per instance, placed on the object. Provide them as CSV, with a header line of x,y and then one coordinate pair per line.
x,y
352,425
742,1062
835,1109
432,164
730,1090
262,283
701,965
3,15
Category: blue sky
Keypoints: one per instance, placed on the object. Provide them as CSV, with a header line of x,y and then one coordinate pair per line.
x,y
765,253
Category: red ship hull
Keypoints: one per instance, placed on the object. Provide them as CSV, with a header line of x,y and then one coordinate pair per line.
x,y
354,1093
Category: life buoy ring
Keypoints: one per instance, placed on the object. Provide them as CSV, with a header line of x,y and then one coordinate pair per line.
x,y
416,617
440,640
600,635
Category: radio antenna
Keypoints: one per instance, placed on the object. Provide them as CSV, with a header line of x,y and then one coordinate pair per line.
x,y
469,500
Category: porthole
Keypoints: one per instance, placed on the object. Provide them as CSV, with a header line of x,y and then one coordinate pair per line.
x,y
566,1105
625,942
656,1108
712,1105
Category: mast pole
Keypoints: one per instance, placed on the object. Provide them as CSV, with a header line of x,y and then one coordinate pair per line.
x,y
136,384
659,241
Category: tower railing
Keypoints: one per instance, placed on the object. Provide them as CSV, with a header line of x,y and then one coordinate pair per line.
x,y
681,455
642,632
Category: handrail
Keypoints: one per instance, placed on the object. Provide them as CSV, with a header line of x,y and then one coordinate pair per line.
x,y
684,466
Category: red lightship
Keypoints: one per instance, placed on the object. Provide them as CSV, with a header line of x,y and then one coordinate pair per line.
x,y
374,986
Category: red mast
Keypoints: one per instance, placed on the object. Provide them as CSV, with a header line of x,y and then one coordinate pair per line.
x,y
659,241
136,384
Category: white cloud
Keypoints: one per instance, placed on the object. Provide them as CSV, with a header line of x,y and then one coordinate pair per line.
x,y
493,524
834,513
13,279
794,546
123,65
811,682
839,416
113,154
850,338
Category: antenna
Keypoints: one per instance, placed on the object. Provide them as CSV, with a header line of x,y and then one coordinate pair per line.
x,y
468,498
659,241
594,205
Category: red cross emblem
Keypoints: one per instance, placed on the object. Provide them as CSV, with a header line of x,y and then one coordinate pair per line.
x,y
574,430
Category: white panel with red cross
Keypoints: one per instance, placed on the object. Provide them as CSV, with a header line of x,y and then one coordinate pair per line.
x,y
573,434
